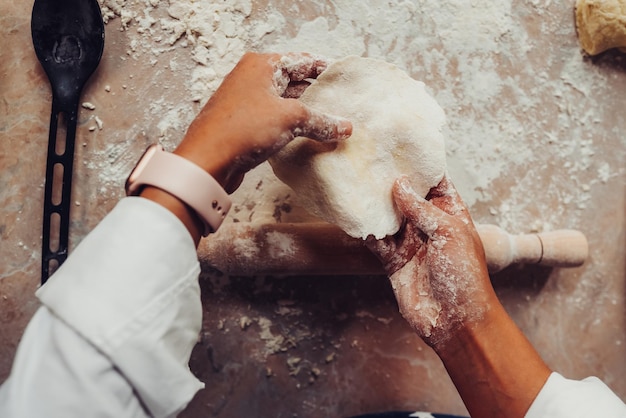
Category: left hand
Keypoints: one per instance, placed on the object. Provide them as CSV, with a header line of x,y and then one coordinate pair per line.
x,y
254,113
436,263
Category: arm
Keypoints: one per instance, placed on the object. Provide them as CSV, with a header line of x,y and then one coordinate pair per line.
x,y
122,314
437,268
252,115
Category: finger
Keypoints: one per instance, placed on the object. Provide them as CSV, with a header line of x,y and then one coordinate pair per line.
x,y
426,216
397,250
383,248
300,66
447,198
321,126
295,67
295,89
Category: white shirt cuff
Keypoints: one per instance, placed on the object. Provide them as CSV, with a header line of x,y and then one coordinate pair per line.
x,y
564,398
131,289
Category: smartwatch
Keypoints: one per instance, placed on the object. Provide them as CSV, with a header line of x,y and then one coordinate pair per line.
x,y
184,180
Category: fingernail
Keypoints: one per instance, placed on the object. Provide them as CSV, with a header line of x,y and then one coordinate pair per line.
x,y
344,129
404,185
406,193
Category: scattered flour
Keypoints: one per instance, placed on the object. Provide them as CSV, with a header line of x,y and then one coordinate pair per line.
x,y
280,245
215,34
515,108
274,343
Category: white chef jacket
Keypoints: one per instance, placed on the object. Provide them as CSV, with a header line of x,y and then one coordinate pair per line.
x,y
120,317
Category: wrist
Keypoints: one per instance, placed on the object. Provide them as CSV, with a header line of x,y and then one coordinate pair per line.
x,y
182,211
181,186
214,163
494,367
469,333
215,154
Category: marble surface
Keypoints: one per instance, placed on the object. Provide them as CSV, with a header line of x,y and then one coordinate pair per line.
x,y
535,142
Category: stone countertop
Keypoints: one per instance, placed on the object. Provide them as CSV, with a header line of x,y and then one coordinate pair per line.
x,y
535,142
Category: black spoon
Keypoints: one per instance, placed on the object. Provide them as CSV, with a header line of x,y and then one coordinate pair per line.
x,y
68,36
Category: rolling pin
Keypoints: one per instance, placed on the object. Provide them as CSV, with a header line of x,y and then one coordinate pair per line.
x,y
309,249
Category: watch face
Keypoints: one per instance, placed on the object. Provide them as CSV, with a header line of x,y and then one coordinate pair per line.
x,y
131,185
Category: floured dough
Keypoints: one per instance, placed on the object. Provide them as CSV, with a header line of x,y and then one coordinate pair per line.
x,y
396,130
601,25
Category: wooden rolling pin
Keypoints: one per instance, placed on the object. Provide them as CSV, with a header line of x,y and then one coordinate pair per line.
x,y
301,249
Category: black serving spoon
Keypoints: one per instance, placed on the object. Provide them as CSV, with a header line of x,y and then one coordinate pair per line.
x,y
68,36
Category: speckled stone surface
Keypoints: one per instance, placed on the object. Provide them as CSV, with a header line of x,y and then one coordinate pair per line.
x,y
539,146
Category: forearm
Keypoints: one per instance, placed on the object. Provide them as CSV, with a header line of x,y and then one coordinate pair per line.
x,y
494,367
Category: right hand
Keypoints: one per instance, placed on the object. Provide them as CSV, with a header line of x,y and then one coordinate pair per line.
x,y
254,113
436,263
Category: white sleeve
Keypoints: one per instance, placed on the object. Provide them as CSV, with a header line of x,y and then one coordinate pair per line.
x,y
119,321
564,398
57,373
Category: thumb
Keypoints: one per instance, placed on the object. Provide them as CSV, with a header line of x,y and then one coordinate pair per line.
x,y
422,213
321,126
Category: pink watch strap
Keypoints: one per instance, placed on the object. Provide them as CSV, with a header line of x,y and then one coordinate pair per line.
x,y
185,180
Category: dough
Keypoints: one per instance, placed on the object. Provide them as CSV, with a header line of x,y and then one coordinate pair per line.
x,y
396,130
601,25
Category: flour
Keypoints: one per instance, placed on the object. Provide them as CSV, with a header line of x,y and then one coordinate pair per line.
x,y
216,34
274,343
479,59
280,245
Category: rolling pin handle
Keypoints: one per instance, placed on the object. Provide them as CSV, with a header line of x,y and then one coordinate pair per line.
x,y
323,249
563,248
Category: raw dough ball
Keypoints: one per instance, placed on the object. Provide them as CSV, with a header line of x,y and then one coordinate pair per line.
x,y
396,130
601,25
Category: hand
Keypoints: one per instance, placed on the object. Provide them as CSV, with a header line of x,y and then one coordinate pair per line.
x,y
436,262
254,113
251,116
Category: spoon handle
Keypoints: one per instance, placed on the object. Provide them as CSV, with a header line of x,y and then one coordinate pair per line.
x,y
56,207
